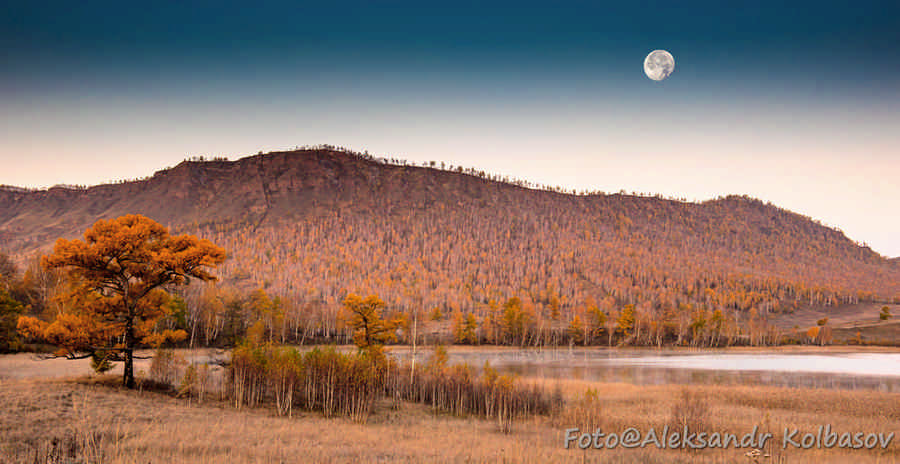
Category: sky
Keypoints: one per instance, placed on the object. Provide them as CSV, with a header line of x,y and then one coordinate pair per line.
x,y
797,103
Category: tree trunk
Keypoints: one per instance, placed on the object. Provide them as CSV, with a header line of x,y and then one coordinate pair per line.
x,y
193,332
412,370
128,378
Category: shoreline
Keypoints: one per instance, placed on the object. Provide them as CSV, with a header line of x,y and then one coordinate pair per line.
x,y
836,349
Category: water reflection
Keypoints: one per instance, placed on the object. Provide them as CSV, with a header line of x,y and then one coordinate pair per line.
x,y
850,371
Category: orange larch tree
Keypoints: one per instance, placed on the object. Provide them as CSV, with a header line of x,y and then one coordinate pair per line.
x,y
117,278
364,316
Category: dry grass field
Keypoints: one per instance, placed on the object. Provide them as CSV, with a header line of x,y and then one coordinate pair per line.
x,y
49,415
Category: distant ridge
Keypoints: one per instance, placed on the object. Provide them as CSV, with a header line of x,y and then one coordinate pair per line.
x,y
317,223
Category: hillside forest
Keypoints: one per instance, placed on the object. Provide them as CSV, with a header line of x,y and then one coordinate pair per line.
x,y
458,256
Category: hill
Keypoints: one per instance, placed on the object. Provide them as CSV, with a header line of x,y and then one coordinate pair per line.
x,y
312,225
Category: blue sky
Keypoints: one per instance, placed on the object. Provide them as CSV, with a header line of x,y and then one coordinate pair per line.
x,y
795,104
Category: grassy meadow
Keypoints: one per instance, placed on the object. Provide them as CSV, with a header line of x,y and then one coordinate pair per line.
x,y
55,412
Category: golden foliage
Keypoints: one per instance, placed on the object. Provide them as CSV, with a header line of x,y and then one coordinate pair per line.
x,y
115,296
576,330
364,317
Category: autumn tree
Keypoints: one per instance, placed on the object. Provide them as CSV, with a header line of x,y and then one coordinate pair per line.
x,y
233,327
717,324
117,278
612,323
596,322
268,310
489,324
40,286
10,310
625,323
211,313
576,330
364,316
812,334
469,333
8,272
464,327
10,307
515,321
826,335
553,304
404,325
459,327
176,311
699,323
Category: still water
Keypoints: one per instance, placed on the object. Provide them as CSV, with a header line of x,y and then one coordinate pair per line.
x,y
869,371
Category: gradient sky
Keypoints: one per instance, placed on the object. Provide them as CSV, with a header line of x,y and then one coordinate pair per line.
x,y
797,103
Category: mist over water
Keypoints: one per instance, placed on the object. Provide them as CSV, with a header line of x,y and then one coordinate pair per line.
x,y
848,371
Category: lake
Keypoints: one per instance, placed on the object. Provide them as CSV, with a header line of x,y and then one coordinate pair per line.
x,y
829,368
837,370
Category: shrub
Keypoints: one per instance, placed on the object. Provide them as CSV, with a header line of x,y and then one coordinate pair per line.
x,y
100,362
196,381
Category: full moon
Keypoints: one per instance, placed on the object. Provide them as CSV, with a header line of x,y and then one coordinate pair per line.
x,y
659,64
